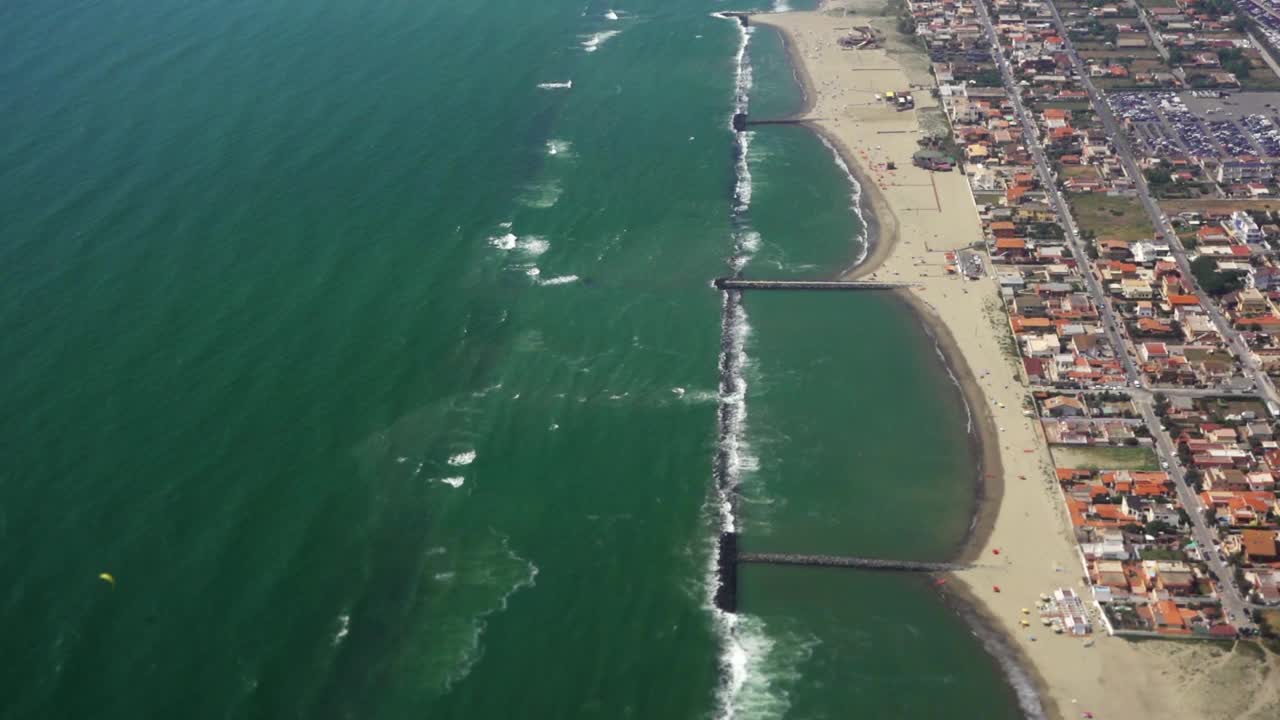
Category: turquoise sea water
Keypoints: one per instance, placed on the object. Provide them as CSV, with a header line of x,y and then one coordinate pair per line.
x,y
381,373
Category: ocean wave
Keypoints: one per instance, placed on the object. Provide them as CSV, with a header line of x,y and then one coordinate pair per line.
x,y
542,195
344,627
566,85
559,280
534,245
463,458
610,15
743,186
761,665
454,482
559,148
781,6
593,43
855,201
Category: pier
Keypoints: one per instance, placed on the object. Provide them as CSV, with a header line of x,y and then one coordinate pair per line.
x,y
741,284
862,563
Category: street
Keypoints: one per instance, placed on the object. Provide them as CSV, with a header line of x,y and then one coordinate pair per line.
x,y
1233,602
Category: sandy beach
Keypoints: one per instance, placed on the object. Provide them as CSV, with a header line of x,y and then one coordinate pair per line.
x,y
1021,536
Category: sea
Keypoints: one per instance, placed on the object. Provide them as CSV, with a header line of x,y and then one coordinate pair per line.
x,y
361,360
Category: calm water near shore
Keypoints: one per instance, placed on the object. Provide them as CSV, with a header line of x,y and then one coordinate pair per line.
x,y
379,368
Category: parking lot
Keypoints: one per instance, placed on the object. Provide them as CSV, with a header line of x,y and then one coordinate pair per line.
x,y
1200,124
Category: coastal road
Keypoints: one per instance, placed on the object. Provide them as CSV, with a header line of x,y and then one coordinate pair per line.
x,y
1231,598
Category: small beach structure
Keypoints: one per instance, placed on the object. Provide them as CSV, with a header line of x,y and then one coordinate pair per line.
x,y
932,160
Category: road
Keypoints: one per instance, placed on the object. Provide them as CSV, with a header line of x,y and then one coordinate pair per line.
x,y
1232,600
1049,183
1155,36
1120,140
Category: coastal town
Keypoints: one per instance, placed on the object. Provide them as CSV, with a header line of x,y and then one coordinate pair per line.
x,y
1122,160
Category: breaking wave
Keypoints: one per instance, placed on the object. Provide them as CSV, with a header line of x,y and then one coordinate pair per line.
x,y
855,201
559,280
463,458
593,43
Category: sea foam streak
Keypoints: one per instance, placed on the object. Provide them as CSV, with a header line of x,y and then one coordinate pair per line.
x,y
504,566
566,85
593,43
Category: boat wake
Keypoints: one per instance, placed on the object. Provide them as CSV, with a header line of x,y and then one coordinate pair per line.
x,y
566,85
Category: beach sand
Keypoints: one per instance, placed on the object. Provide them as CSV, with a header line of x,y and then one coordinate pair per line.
x,y
919,215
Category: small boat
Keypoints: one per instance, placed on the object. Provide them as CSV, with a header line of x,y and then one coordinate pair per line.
x,y
1025,623
1046,622
1026,611
1044,597
996,588
1088,643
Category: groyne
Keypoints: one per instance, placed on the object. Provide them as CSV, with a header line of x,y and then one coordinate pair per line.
x,y
847,561
730,283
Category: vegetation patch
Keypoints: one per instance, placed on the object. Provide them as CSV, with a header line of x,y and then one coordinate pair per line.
x,y
1105,458
1111,218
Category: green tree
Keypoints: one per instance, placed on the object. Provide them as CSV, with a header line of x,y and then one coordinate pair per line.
x,y
1215,282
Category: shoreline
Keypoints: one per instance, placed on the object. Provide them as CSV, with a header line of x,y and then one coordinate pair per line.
x,y
882,237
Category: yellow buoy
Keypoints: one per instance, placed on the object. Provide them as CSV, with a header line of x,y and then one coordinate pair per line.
x,y
108,578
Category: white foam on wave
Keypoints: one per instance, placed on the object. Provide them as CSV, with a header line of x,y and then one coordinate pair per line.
x,y
743,187
344,627
559,148
593,43
855,202
560,280
533,272
463,458
781,6
504,242
453,482
610,15
566,85
533,245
